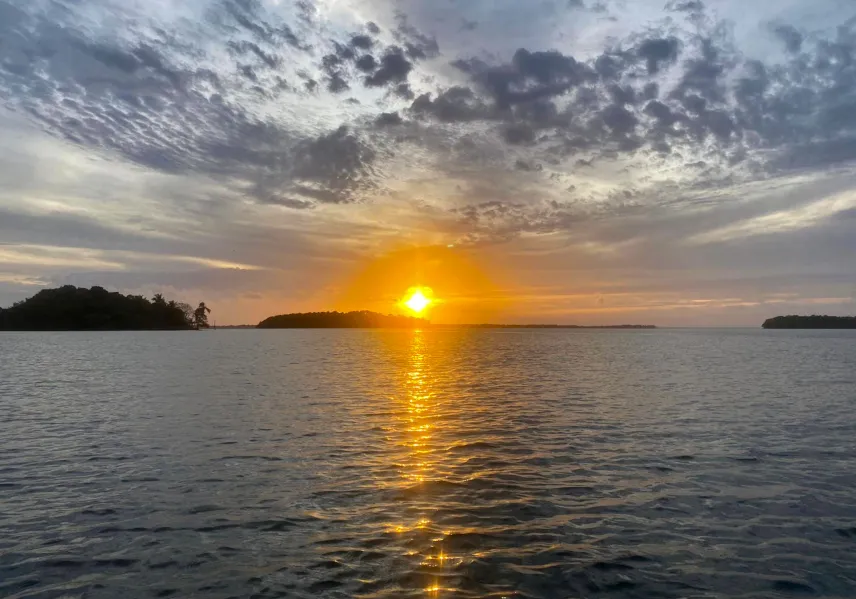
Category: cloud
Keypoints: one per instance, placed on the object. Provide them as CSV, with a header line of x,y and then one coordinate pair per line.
x,y
528,77
339,163
391,65
147,102
455,104
802,217
388,119
393,68
790,36
690,6
658,52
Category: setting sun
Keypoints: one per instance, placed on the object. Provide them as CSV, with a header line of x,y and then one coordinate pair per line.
x,y
417,300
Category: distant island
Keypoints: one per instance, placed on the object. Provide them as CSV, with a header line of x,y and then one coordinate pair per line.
x,y
373,320
71,308
545,326
810,322
342,320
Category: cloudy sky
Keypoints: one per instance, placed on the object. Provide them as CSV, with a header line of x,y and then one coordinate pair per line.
x,y
579,161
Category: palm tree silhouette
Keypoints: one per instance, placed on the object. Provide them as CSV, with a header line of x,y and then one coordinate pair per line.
x,y
200,316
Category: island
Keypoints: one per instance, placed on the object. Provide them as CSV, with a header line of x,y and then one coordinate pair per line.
x,y
810,322
373,320
545,326
362,319
71,308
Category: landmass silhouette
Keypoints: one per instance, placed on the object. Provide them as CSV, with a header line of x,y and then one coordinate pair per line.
x,y
373,320
71,308
362,319
810,322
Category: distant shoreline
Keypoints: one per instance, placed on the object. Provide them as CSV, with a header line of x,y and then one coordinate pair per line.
x,y
541,326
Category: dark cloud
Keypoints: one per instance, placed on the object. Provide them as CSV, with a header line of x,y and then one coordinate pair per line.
x,y
363,42
388,119
620,120
547,67
817,154
611,65
336,84
690,6
336,68
658,52
702,74
251,16
244,48
404,91
496,221
651,90
518,134
529,167
790,36
288,202
333,167
394,68
530,76
417,45
456,104
666,118
322,195
113,58
366,63
622,94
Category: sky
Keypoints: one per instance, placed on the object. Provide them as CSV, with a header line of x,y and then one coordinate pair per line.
x,y
668,162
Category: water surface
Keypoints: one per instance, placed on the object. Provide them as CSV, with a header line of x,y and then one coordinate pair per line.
x,y
708,463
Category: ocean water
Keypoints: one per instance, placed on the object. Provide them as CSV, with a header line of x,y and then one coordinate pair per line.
x,y
518,464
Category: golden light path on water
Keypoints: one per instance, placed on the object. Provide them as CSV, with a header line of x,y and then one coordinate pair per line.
x,y
422,461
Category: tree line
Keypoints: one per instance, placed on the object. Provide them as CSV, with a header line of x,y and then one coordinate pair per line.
x,y
815,321
71,308
341,320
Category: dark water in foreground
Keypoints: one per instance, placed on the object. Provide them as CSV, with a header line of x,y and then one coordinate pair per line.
x,y
436,464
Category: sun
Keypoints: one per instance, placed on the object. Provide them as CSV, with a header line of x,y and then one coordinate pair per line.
x,y
417,299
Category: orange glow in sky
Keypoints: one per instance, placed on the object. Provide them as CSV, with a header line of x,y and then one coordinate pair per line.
x,y
448,284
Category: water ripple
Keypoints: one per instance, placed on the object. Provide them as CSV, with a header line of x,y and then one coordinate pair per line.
x,y
479,464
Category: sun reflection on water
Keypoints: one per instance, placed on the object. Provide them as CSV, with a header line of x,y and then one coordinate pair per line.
x,y
422,466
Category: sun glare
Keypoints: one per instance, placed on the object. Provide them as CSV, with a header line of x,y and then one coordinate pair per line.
x,y
417,300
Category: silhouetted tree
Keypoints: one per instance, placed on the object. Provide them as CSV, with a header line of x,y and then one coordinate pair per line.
x,y
200,316
187,310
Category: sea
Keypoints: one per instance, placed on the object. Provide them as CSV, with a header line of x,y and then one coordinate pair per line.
x,y
663,463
